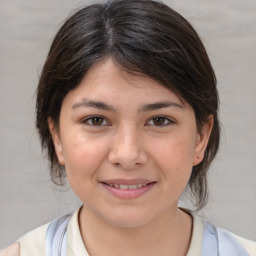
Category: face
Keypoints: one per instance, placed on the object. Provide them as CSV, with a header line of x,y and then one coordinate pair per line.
x,y
128,145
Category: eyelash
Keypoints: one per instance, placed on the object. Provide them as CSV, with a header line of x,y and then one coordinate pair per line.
x,y
89,120
165,119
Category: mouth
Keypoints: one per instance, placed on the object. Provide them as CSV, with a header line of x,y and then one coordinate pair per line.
x,y
128,189
125,187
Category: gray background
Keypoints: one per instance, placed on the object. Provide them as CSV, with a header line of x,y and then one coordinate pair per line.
x,y
27,196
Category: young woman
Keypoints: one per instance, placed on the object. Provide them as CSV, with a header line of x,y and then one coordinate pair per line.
x,y
127,109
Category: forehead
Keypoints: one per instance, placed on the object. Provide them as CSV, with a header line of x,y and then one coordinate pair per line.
x,y
108,79
109,69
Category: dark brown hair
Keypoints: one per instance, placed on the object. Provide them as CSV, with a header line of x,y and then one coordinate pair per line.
x,y
145,37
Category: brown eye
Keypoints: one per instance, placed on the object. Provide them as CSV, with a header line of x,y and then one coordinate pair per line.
x,y
159,120
95,121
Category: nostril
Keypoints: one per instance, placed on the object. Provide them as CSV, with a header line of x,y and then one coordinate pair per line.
x,y
128,159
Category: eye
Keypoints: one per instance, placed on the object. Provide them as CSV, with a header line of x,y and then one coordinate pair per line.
x,y
160,121
95,121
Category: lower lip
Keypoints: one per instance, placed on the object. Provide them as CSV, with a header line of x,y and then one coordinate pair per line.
x,y
128,193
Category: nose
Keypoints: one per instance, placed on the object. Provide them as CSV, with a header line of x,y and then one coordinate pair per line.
x,y
127,149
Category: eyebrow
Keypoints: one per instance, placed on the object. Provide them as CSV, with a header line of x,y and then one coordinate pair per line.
x,y
94,104
159,105
148,107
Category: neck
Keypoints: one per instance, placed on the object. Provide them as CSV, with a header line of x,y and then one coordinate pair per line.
x,y
168,234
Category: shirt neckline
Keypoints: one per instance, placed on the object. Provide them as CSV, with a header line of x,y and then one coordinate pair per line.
x,y
75,245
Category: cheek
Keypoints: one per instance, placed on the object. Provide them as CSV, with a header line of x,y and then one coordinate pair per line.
x,y
83,160
175,156
83,156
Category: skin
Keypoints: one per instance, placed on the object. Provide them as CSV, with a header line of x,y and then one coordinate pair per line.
x,y
12,250
129,142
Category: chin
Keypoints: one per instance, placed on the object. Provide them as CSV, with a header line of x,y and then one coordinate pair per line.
x,y
127,219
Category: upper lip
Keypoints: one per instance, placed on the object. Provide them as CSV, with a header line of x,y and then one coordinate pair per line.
x,y
127,182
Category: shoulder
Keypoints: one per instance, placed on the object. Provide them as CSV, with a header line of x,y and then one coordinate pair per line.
x,y
12,250
33,243
228,238
225,241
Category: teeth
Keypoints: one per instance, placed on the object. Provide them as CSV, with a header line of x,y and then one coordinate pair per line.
x,y
125,187
133,186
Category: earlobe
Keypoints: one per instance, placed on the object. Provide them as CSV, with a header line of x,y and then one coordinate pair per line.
x,y
56,141
202,141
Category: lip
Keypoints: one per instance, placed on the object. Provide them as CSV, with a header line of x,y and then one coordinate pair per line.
x,y
128,193
127,182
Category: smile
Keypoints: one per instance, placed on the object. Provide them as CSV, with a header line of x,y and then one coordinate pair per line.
x,y
123,186
125,190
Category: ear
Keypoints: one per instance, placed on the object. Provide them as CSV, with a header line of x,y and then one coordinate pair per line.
x,y
56,141
202,141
